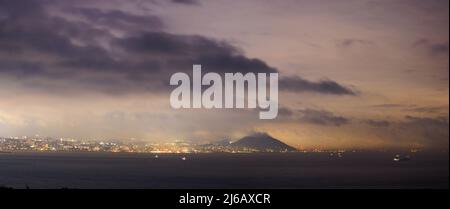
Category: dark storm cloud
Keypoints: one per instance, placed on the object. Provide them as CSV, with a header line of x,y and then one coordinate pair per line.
x,y
434,48
85,53
321,117
297,84
182,51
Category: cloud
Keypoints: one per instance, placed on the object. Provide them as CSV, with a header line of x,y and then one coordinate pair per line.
x,y
285,112
390,105
430,130
422,122
378,123
411,131
414,108
430,109
187,2
87,56
426,121
115,52
179,52
119,19
310,116
434,48
298,84
439,48
321,117
352,42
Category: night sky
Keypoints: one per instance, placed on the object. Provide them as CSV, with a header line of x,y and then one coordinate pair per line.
x,y
353,73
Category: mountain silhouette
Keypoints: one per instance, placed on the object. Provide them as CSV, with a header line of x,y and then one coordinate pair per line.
x,y
263,142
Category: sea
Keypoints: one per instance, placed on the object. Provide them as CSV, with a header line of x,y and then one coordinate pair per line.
x,y
351,170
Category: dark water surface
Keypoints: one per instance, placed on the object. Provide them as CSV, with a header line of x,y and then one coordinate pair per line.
x,y
269,170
